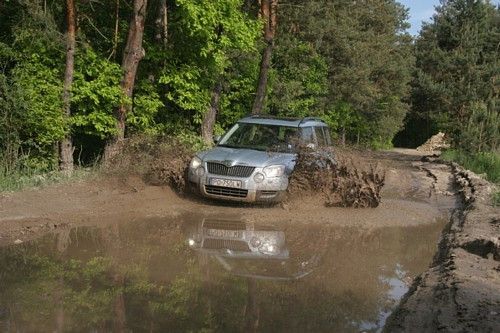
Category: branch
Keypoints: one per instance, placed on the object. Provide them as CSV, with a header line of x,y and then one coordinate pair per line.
x,y
92,24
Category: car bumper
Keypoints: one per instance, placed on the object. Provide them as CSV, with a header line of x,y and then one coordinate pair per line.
x,y
270,190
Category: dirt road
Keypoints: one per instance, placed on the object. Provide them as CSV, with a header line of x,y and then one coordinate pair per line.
x,y
416,194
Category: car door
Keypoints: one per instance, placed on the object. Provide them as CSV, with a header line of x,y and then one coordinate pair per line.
x,y
323,143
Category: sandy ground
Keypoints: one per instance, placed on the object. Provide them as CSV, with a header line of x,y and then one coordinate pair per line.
x,y
459,292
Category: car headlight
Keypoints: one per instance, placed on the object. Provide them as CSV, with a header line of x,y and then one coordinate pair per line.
x,y
195,162
274,170
200,172
255,241
259,178
269,248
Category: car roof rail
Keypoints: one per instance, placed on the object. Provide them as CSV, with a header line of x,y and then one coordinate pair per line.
x,y
269,116
312,119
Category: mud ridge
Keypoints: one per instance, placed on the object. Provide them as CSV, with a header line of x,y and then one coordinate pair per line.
x,y
346,183
460,291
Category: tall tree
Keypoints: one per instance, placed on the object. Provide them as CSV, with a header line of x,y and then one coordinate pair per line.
x,y
66,145
268,9
456,86
207,39
348,61
133,54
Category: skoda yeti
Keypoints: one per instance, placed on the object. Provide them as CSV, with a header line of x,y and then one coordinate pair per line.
x,y
253,160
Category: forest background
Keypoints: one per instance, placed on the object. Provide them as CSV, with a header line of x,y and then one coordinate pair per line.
x,y
79,77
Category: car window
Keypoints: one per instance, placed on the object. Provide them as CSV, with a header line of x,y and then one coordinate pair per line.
x,y
328,136
307,135
320,136
260,137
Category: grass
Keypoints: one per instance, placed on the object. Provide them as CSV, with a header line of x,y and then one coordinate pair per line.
x,y
496,199
483,163
28,178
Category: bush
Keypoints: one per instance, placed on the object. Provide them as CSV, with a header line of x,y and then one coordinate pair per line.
x,y
484,163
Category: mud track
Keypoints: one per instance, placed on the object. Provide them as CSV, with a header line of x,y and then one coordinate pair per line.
x,y
459,292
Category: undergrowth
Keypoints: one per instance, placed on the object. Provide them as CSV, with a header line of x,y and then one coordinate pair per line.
x,y
33,178
482,163
159,160
496,199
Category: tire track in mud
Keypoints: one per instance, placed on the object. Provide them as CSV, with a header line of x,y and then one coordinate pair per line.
x,y
461,289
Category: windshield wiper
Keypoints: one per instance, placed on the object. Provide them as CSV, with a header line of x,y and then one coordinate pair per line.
x,y
242,147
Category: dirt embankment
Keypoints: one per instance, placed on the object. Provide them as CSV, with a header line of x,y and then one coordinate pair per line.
x,y
460,290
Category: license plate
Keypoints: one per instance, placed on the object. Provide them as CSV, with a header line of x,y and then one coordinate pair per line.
x,y
223,233
225,182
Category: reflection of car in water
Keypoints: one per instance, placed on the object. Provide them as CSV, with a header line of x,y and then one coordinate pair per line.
x,y
249,250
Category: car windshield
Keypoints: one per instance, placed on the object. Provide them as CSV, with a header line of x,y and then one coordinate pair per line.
x,y
263,137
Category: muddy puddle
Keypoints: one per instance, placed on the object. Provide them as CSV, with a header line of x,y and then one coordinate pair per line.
x,y
211,274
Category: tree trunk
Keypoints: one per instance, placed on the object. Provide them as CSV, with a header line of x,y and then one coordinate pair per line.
x,y
207,127
260,94
161,27
134,52
66,145
164,12
268,13
117,21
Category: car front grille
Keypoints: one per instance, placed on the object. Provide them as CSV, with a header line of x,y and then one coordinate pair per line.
x,y
234,171
224,224
231,244
226,191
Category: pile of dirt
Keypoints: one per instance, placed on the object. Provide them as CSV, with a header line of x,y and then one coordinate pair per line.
x,y
341,184
436,142
158,160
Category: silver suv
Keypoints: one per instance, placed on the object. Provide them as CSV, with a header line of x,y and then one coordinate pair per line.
x,y
253,160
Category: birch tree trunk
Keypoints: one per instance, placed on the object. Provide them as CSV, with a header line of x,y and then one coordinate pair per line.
x,y
268,13
133,54
66,145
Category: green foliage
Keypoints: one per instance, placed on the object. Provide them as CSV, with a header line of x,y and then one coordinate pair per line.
x,y
484,163
31,88
96,94
205,35
147,103
496,198
239,90
367,64
456,82
300,84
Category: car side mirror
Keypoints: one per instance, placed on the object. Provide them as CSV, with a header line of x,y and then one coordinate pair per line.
x,y
217,139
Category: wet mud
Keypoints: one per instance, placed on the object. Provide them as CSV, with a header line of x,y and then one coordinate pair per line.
x,y
346,183
118,254
460,291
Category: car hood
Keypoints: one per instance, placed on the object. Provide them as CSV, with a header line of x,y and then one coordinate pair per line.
x,y
250,157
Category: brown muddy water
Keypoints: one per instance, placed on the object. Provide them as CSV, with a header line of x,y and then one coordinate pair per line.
x,y
215,273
